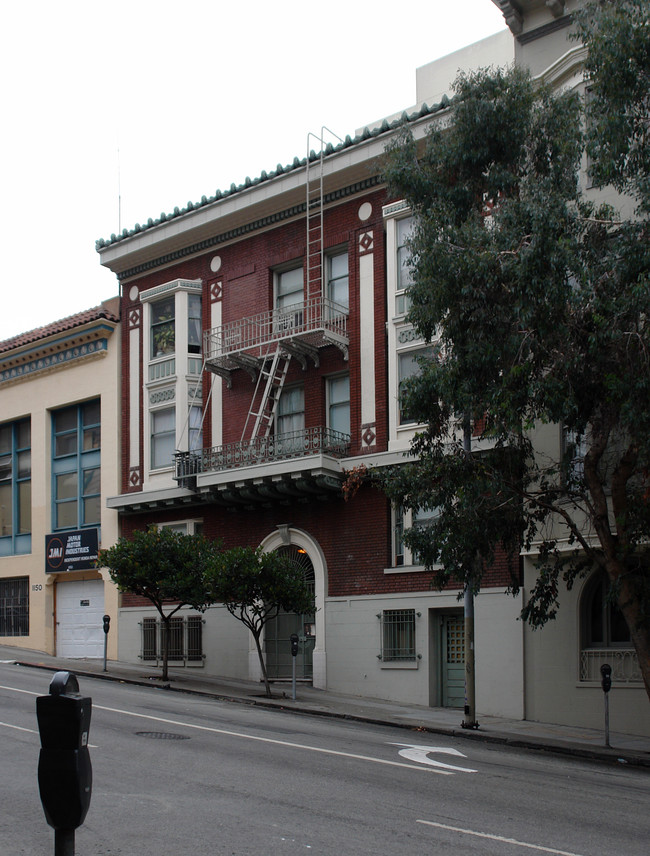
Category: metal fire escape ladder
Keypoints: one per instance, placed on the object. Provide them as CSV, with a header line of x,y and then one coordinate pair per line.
x,y
314,209
264,404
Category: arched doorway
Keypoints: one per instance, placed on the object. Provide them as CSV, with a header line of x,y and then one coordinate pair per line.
x,y
277,645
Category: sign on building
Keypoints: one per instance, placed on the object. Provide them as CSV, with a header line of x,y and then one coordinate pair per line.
x,y
71,551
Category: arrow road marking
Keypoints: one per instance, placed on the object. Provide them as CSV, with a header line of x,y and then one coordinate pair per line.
x,y
420,754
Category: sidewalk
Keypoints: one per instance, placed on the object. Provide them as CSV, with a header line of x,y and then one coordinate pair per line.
x,y
558,739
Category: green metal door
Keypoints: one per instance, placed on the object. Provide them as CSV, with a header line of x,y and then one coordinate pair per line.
x,y
277,635
453,661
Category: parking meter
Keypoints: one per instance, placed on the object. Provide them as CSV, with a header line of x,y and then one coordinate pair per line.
x,y
107,623
294,644
64,770
606,677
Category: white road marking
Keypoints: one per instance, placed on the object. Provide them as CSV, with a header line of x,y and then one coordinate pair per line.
x,y
420,754
18,727
227,733
16,690
499,838
272,741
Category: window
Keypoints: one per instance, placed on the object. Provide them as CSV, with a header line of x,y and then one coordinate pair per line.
x,y
163,331
163,437
574,449
337,279
76,472
195,429
14,607
290,425
289,294
404,273
291,410
408,366
194,323
404,519
605,635
185,639
338,404
398,635
15,487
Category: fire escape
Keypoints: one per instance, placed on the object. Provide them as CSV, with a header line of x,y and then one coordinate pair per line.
x,y
263,346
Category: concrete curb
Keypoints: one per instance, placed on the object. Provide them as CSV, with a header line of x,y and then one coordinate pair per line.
x,y
539,744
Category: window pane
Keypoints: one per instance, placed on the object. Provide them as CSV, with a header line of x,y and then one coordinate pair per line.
x,y
66,486
337,286
24,464
24,508
65,444
65,420
66,515
91,481
195,429
404,231
289,287
90,413
5,439
339,404
91,439
6,468
163,440
194,323
6,510
162,327
24,434
92,510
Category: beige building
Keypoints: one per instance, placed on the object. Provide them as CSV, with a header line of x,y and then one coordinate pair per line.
x,y
59,433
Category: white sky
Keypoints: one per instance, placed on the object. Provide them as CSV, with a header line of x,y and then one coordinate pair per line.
x,y
194,95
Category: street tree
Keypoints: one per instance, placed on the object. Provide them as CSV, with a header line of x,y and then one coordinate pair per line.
x,y
255,587
167,568
536,304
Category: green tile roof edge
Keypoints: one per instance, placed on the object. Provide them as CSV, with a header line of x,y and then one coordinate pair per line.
x,y
297,163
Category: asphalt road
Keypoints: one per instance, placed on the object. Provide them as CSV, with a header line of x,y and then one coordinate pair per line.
x,y
178,774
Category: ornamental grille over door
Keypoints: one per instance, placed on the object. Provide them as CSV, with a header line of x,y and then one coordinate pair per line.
x,y
277,642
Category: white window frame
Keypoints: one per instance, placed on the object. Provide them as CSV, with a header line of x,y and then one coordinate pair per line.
x,y
330,404
403,519
152,438
332,255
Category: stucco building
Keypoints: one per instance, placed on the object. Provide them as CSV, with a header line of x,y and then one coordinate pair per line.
x,y
59,436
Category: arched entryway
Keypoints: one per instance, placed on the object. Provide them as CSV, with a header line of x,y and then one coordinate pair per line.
x,y
308,552
277,644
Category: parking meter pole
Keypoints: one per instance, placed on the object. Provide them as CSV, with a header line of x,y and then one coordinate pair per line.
x,y
107,624
606,684
64,842
294,654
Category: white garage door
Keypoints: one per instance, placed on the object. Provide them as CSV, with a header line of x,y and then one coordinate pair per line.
x,y
79,626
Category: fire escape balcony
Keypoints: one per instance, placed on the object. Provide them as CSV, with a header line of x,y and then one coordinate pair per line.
x,y
298,464
301,329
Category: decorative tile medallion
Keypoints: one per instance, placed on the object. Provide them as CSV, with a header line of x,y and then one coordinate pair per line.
x,y
366,242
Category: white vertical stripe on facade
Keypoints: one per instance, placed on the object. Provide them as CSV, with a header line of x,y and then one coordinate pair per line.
x,y
367,338
217,383
134,398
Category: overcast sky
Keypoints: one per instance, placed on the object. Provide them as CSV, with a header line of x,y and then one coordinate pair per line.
x,y
160,103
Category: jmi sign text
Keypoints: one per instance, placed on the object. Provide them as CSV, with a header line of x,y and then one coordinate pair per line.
x,y
71,551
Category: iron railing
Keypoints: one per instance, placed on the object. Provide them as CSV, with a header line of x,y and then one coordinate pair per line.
x,y
398,635
185,640
624,663
14,607
315,315
275,447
